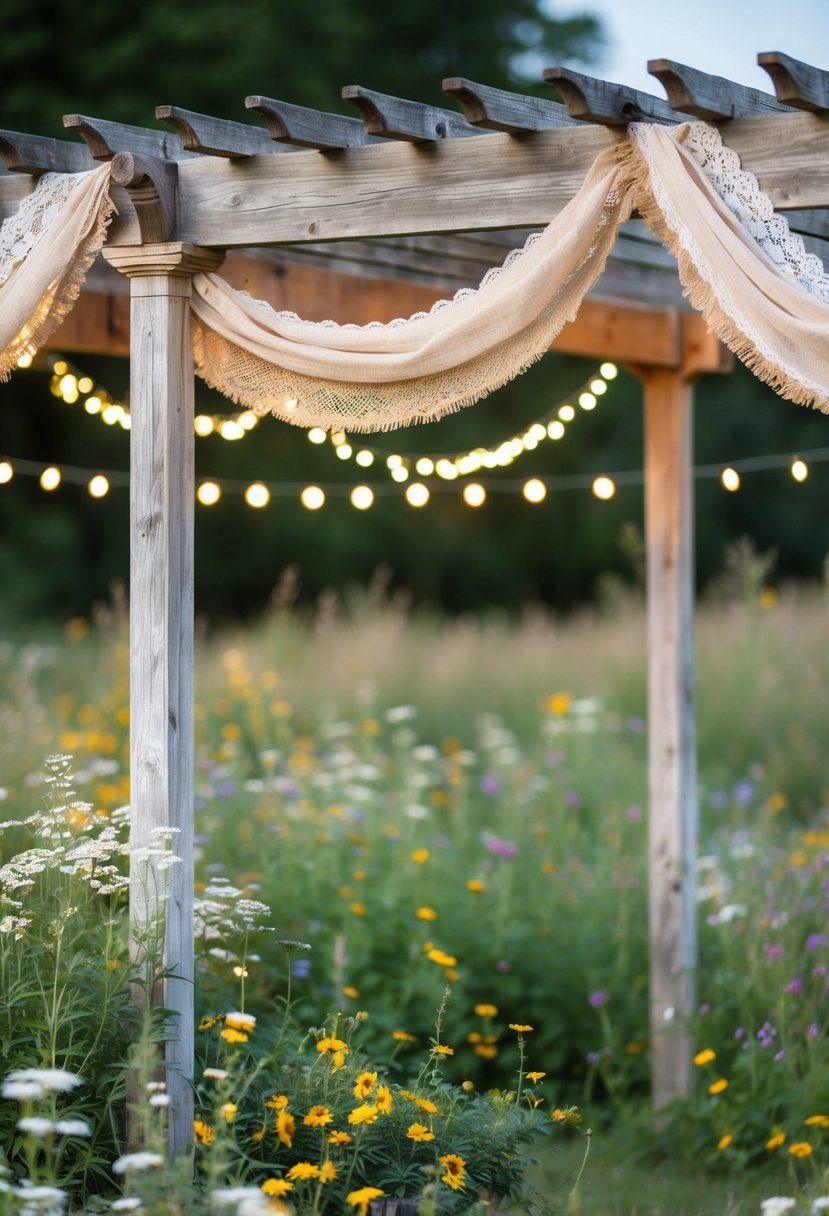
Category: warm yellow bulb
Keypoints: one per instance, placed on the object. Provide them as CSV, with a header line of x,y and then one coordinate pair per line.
x,y
425,466
530,442
538,431
446,469
68,384
257,495
534,490
112,413
417,495
362,497
555,430
401,473
317,435
231,430
60,368
344,451
337,437
609,370
566,413
126,422
604,487
50,478
6,472
248,420
93,405
730,479
85,385
203,425
312,498
209,493
98,486
599,387
587,401
474,494
364,458
394,462
800,470
24,361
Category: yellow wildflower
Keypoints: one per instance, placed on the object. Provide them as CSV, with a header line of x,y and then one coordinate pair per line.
x,y
233,1036
535,1076
558,703
419,1133
403,1036
704,1057
441,1050
364,1084
800,1148
454,1175
330,1044
441,958
258,1135
519,1029
339,1138
228,1111
277,1102
476,886
203,1132
419,856
362,1198
426,914
724,1142
363,1114
487,1051
276,1186
285,1128
318,1116
717,1087
358,909
427,1105
338,1060
328,1171
383,1100
240,1021
776,1140
817,1121
486,1011
303,1170
348,990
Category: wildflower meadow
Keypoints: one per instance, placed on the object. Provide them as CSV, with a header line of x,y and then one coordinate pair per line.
x,y
421,918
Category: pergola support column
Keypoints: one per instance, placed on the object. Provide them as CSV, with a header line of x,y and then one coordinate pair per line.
x,y
161,640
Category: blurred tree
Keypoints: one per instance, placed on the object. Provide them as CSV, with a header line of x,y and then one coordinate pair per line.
x,y
60,56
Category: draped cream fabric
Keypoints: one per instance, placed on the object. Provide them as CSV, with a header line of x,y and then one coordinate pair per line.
x,y
46,249
739,264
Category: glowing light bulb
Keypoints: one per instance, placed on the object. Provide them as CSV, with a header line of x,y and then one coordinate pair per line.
x,y
417,495
98,486
604,487
344,451
257,495
566,413
364,458
208,493
248,420
60,368
24,361
125,422
93,405
425,467
587,401
68,385
730,479
555,430
530,442
446,469
394,462
337,437
203,425
800,470
401,473
6,472
312,498
85,385
599,387
231,430
609,370
538,431
50,478
362,497
474,494
317,435
112,413
534,490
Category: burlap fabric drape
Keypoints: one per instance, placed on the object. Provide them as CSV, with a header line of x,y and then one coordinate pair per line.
x,y
762,294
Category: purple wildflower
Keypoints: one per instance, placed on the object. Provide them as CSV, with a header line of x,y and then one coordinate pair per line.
x,y
795,986
501,848
599,998
634,814
502,965
573,800
813,1030
773,950
814,940
490,784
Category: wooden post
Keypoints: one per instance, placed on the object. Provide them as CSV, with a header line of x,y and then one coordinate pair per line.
x,y
671,727
672,761
161,634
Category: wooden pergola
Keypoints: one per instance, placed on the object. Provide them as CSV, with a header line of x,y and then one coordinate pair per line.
x,y
373,217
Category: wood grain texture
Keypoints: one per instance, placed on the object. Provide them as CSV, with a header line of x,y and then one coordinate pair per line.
x,y
499,110
104,138
795,83
671,728
710,97
215,136
307,128
452,185
590,100
409,121
37,154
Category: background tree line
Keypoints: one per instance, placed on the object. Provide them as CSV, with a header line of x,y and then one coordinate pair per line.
x,y
58,553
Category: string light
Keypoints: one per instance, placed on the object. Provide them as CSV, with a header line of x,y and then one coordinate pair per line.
x,y
604,488
6,472
50,478
730,479
534,490
416,494
98,486
362,497
800,470
209,493
474,494
312,498
257,495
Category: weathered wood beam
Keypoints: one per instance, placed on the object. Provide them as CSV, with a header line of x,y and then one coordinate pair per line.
x,y
215,136
308,128
494,181
409,121
37,154
151,186
104,139
590,100
711,97
796,84
498,110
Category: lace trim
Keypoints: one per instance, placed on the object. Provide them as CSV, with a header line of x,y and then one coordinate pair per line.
x,y
36,214
741,193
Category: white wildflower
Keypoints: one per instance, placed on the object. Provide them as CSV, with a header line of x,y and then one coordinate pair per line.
x,y
127,1203
424,752
247,1200
731,912
22,1091
400,713
73,1127
215,1074
153,1087
58,1080
135,1162
34,1125
240,1021
820,1205
160,1100
777,1205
